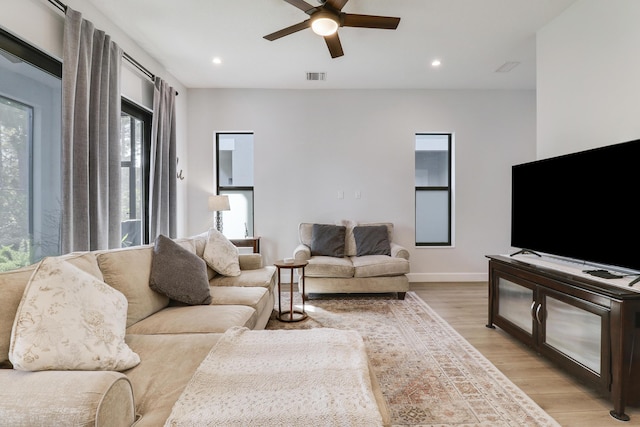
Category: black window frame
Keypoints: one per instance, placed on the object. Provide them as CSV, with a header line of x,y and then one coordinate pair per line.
x,y
220,189
145,116
30,54
448,188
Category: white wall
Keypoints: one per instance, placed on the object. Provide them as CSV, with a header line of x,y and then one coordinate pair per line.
x,y
588,77
310,144
41,24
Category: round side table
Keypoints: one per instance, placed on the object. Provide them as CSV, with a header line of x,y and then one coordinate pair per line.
x,y
291,315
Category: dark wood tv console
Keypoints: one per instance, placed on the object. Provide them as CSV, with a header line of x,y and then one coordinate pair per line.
x,y
586,326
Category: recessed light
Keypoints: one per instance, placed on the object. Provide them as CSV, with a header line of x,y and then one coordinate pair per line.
x,y
435,63
217,60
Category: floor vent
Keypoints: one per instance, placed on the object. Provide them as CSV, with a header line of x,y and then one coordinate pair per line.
x,y
316,76
507,66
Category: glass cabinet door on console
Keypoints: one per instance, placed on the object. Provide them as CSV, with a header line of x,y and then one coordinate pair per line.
x,y
514,305
577,331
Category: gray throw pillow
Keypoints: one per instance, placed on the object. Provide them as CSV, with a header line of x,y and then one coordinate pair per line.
x,y
372,240
179,274
328,240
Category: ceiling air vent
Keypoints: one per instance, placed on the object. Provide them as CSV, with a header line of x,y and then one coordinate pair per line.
x,y
507,66
316,76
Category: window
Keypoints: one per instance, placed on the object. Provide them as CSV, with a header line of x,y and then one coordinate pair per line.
x,y
433,189
30,143
234,165
135,140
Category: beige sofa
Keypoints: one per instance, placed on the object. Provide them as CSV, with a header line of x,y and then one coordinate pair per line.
x,y
346,272
171,340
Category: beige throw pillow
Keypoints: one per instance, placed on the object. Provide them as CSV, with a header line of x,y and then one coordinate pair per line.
x,y
221,255
70,320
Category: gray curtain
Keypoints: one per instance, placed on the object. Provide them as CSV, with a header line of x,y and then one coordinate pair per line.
x,y
162,174
90,137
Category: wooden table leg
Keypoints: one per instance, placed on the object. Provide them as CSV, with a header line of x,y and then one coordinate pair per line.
x,y
279,299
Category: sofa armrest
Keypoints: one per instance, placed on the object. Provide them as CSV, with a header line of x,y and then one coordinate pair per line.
x,y
302,253
398,251
81,398
250,261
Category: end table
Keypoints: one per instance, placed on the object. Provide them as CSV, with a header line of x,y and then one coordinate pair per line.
x,y
291,315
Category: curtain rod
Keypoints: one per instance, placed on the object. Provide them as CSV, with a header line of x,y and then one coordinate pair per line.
x,y
63,8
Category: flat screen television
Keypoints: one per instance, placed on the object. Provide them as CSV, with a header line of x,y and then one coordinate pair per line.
x,y
580,206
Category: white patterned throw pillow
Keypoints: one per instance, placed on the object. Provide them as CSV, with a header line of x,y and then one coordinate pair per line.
x,y
221,255
70,320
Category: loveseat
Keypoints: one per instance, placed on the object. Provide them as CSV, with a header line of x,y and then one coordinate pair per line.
x,y
349,257
165,341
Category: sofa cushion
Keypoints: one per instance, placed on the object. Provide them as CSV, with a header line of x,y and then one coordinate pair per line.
x,y
85,261
324,266
305,229
178,273
128,271
221,255
372,240
69,320
196,319
167,364
198,242
254,297
12,285
249,261
262,277
328,240
350,240
379,265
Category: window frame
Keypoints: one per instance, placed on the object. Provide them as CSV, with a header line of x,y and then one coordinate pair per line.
x,y
41,60
30,54
220,189
448,188
145,116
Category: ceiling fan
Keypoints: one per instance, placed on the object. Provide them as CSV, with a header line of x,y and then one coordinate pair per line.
x,y
325,19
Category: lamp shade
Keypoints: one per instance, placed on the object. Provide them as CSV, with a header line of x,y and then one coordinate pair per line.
x,y
219,203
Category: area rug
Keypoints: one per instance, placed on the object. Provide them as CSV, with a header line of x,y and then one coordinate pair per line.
x,y
429,374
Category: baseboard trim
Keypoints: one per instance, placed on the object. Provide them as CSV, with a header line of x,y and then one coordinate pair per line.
x,y
447,277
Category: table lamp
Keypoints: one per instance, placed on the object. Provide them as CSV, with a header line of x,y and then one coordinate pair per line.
x,y
218,204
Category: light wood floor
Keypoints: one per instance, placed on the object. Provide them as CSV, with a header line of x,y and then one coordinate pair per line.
x,y
571,403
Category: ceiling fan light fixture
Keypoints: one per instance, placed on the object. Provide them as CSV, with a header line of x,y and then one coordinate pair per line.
x,y
324,25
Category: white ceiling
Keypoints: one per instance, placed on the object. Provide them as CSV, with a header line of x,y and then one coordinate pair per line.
x,y
472,38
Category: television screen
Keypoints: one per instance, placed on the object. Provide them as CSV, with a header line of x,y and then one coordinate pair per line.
x,y
580,206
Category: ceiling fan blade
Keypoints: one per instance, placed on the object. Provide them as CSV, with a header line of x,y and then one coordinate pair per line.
x,y
369,21
336,4
302,5
289,30
334,45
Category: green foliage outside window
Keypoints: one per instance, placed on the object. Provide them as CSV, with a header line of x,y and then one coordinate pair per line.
x,y
15,127
12,258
